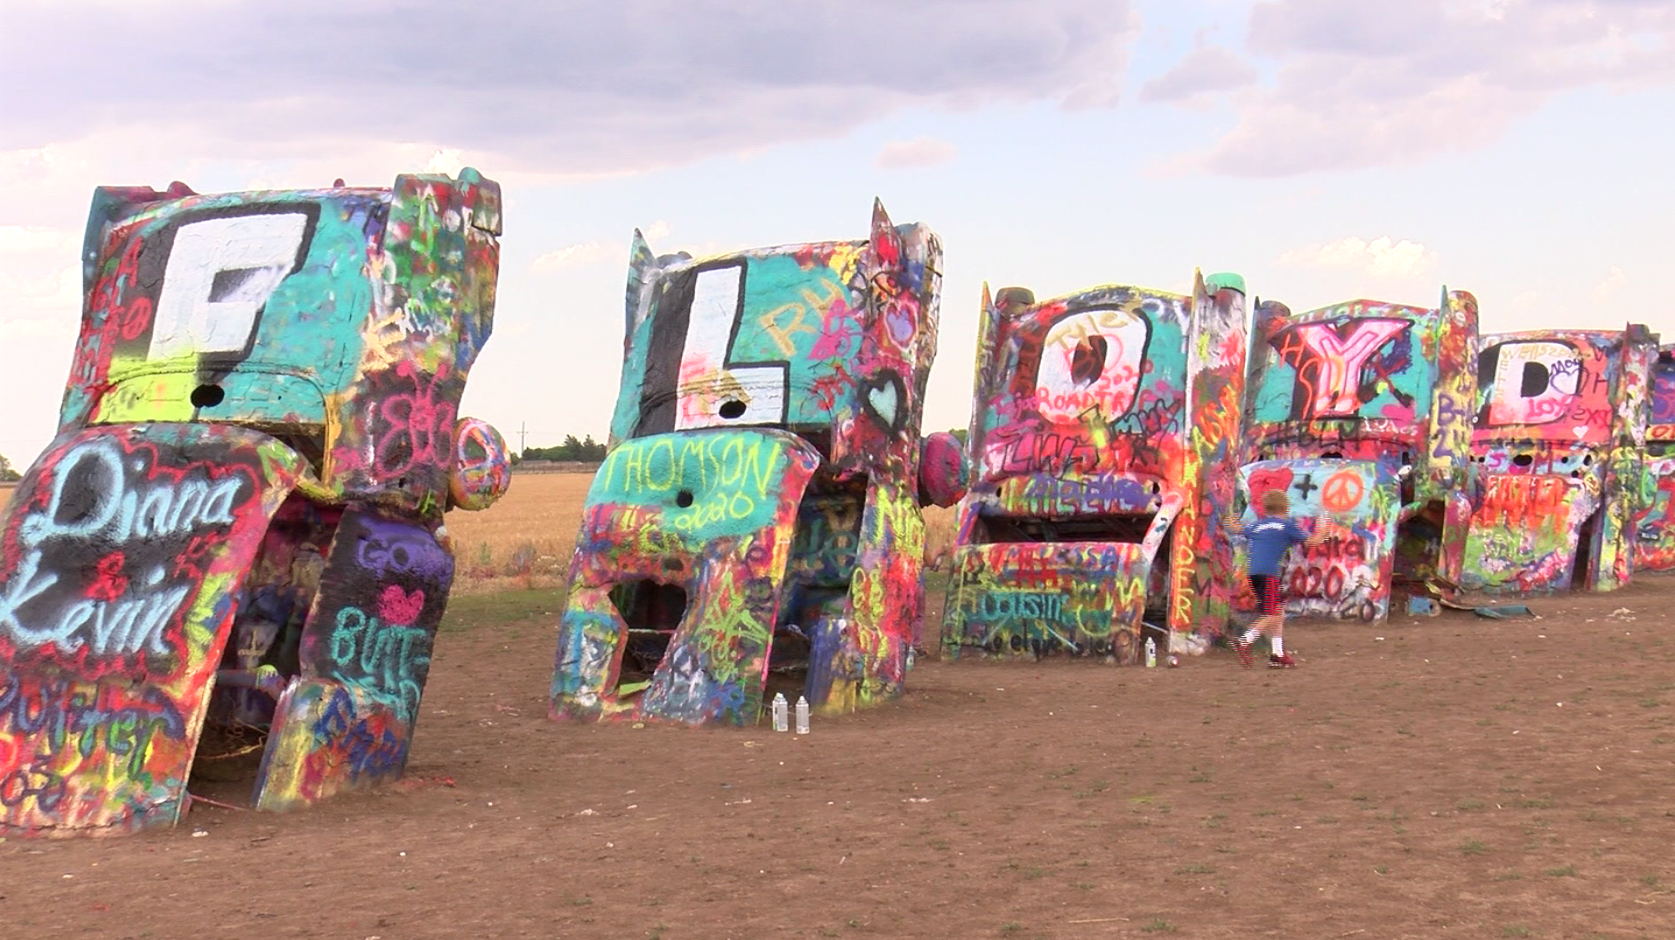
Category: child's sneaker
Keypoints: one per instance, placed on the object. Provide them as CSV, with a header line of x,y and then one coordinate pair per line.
x,y
1282,661
1242,647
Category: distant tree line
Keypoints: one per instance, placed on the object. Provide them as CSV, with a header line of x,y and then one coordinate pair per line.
x,y
586,449
7,473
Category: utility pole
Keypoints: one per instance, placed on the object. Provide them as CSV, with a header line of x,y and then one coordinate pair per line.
x,y
523,432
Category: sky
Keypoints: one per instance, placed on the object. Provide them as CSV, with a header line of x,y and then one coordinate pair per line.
x,y
1326,150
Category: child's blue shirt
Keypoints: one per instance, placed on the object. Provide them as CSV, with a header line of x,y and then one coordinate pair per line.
x,y
1269,537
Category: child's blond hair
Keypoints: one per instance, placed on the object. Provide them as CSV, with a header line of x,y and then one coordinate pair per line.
x,y
1274,503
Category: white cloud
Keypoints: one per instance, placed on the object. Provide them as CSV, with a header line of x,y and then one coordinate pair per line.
x,y
1612,285
569,256
58,290
1527,309
578,84
29,161
598,251
15,239
17,329
1204,71
1381,257
1378,83
44,306
445,160
918,152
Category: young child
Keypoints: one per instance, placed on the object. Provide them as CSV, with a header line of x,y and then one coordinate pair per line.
x,y
1269,536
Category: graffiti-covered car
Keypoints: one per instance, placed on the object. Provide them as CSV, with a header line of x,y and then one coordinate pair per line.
x,y
1362,412
1561,446
237,525
759,512
1101,446
1655,525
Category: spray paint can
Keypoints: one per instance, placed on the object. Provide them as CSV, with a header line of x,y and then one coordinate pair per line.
x,y
802,715
780,710
1151,653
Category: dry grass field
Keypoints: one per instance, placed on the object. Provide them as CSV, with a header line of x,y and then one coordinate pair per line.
x,y
523,540
526,539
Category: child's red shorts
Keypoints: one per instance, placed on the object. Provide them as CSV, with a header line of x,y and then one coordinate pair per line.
x,y
1267,591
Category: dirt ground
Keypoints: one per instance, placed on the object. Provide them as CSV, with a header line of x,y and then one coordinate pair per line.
x,y
1447,777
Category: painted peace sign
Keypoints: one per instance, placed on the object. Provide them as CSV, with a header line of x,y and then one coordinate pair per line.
x,y
1342,491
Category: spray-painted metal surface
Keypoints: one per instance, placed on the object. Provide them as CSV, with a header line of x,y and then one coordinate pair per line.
x,y
1655,524
1362,412
1560,442
238,520
760,508
1101,444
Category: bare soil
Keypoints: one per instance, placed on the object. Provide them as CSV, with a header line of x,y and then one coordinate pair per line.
x,y
1446,777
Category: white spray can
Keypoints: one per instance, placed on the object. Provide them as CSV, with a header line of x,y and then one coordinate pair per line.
x,y
780,710
802,715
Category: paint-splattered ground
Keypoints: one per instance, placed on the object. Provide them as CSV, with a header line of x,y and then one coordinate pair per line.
x,y
1450,777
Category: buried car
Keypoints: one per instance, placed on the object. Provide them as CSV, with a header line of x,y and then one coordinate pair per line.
x,y
1562,451
237,530
1655,525
1362,412
758,516
1101,443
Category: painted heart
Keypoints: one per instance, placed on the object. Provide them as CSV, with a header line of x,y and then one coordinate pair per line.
x,y
884,399
902,322
109,583
399,607
1581,431
1269,478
